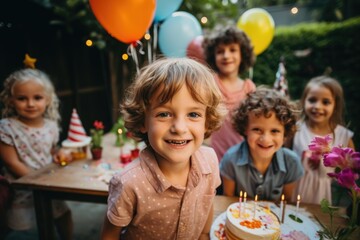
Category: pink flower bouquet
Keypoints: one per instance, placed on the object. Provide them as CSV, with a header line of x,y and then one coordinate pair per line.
x,y
346,163
318,147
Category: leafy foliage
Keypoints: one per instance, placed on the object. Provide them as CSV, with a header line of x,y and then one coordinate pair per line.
x,y
314,49
217,12
75,16
97,134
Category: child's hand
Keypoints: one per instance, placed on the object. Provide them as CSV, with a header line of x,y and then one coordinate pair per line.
x,y
309,162
314,163
63,157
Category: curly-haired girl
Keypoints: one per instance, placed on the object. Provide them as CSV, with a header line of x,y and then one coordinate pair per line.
x,y
230,53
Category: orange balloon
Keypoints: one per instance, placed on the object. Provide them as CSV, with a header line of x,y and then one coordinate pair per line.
x,y
125,20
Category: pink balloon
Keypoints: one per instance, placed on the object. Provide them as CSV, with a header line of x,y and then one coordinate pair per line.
x,y
195,49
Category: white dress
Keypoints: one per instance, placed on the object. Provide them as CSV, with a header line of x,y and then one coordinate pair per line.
x,y
33,146
315,185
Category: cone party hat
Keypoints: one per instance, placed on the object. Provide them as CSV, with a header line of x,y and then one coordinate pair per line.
x,y
76,135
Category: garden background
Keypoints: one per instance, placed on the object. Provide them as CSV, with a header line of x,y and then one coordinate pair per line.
x,y
93,79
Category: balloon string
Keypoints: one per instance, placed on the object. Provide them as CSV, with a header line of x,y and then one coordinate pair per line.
x,y
132,51
251,73
141,51
156,26
149,50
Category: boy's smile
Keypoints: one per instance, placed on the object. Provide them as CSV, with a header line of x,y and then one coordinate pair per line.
x,y
176,125
264,136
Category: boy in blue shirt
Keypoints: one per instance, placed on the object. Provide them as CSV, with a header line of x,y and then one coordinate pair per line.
x,y
260,165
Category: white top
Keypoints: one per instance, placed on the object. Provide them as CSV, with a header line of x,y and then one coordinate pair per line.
x,y
33,145
315,185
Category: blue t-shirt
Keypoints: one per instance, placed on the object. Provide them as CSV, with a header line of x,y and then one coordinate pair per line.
x,y
238,166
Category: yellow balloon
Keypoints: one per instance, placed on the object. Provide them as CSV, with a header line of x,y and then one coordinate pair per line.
x,y
259,26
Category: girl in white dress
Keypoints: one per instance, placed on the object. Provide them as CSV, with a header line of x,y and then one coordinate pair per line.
x,y
322,113
28,134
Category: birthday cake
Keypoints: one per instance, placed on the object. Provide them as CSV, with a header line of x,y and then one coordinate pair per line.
x,y
251,221
231,225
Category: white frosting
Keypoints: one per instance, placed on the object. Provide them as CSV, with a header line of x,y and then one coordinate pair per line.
x,y
268,226
290,229
306,226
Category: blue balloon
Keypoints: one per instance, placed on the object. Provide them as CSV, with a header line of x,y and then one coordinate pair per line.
x,y
164,8
176,32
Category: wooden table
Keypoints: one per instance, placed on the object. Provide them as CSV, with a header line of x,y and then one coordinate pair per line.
x,y
85,180
81,180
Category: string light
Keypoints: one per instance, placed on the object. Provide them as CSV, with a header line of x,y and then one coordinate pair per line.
x,y
147,36
89,43
294,10
204,20
125,57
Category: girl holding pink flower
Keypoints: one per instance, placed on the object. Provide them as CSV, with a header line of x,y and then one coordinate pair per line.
x,y
322,115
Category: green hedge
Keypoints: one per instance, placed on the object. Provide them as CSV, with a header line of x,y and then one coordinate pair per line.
x,y
333,46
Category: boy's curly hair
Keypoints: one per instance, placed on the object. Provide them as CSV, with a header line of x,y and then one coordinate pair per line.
x,y
169,75
264,102
228,35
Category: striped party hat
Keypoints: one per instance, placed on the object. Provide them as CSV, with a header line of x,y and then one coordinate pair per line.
x,y
76,135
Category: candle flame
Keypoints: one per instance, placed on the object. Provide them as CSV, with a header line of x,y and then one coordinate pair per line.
x,y
298,197
245,194
120,131
256,197
282,197
241,194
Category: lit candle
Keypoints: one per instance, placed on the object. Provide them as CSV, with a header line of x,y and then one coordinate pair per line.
x,y
297,206
283,213
119,139
240,202
282,208
255,205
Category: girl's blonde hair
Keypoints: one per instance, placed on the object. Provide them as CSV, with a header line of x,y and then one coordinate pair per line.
x,y
336,91
170,75
25,75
